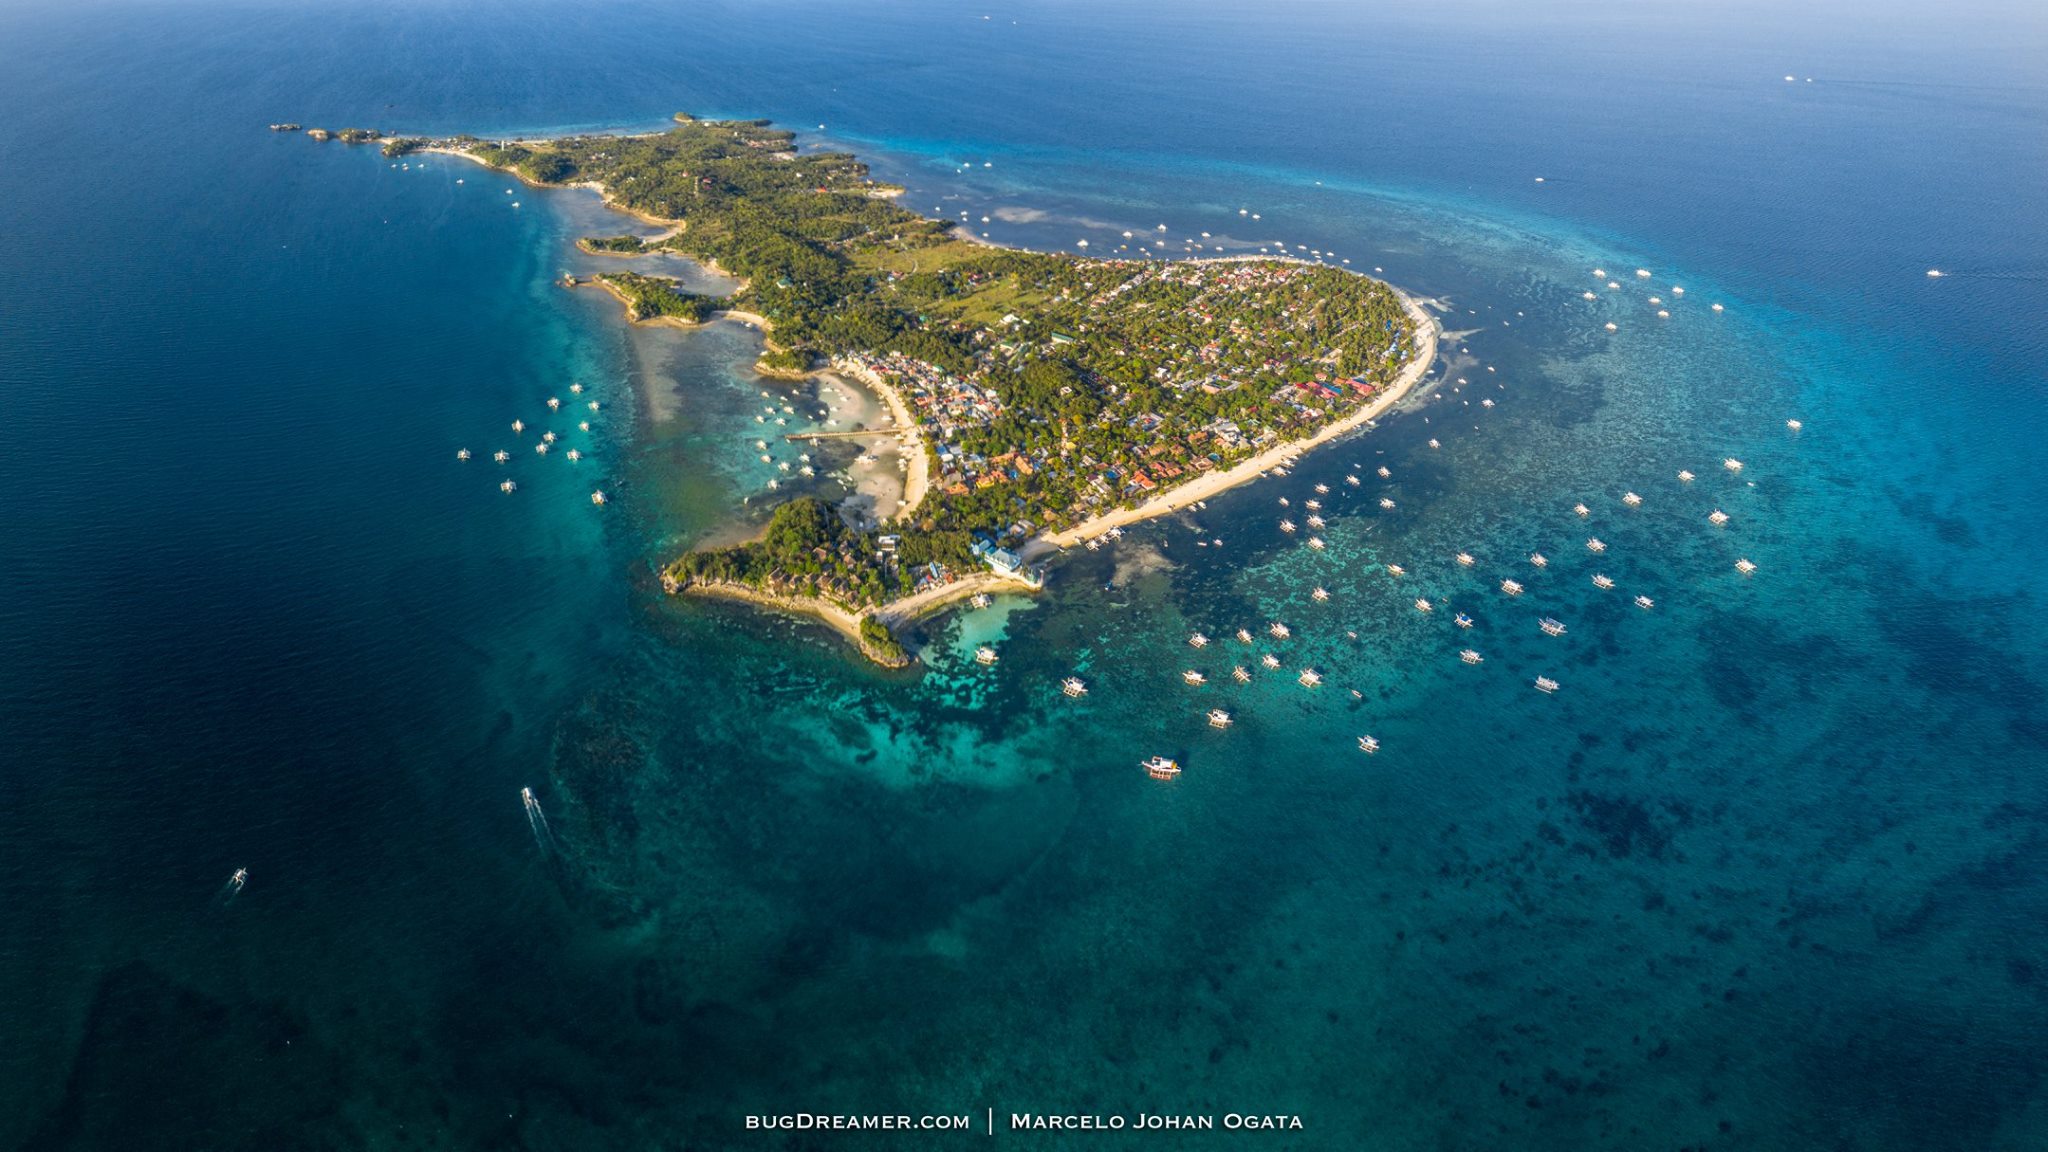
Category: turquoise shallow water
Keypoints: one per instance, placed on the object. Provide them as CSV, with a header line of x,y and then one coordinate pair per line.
x,y
1763,874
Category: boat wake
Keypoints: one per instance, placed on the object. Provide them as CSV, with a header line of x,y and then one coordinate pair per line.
x,y
537,820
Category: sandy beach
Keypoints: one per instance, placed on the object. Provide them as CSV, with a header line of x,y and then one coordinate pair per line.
x,y
893,615
918,480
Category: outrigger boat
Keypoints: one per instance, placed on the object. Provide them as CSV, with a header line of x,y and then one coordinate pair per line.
x,y
1160,768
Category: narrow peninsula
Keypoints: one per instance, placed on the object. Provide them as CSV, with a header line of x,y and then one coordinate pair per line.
x,y
1045,397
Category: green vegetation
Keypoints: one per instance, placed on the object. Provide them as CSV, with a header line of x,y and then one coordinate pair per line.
x,y
654,297
621,245
358,135
785,361
1049,387
881,646
404,145
807,550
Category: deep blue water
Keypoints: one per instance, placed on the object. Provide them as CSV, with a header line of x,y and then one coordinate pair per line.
x,y
1766,873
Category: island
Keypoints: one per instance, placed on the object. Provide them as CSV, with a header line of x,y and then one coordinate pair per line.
x,y
1044,397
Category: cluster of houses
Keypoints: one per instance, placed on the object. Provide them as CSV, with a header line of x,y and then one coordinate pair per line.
x,y
1159,452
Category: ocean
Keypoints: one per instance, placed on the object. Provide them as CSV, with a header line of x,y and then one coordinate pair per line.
x,y
1766,872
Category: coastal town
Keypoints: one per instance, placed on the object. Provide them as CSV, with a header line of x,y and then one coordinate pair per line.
x,y
1044,392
